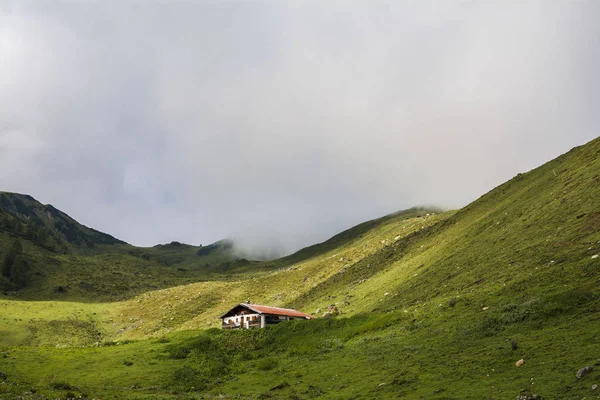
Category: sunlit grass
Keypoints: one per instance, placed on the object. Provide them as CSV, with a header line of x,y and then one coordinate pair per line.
x,y
430,307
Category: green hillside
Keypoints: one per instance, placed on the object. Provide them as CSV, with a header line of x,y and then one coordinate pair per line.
x,y
420,305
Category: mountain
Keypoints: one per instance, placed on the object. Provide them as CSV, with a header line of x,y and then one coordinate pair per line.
x,y
24,216
45,254
420,304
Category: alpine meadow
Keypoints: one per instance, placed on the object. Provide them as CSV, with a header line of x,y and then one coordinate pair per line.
x,y
496,300
299,200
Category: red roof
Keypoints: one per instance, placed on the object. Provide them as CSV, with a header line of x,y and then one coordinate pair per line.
x,y
274,310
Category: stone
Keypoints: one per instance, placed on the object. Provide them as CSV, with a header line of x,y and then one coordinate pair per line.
x,y
594,387
332,311
529,397
485,308
584,371
520,362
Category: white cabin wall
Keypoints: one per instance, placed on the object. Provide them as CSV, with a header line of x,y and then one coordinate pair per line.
x,y
240,319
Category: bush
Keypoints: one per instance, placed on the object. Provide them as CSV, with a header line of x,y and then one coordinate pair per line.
x,y
491,326
60,385
200,344
188,378
179,353
332,344
266,364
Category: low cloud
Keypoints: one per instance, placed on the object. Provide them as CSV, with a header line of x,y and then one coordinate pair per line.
x,y
280,124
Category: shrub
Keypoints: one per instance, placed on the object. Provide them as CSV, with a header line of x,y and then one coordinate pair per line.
x,y
514,313
332,344
452,302
266,364
179,353
200,344
188,378
490,326
60,385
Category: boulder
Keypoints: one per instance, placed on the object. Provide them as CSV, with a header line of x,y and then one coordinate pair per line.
x,y
332,311
520,362
584,371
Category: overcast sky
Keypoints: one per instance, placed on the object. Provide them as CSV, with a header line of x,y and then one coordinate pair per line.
x,y
281,123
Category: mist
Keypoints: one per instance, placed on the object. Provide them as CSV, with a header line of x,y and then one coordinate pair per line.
x,y
280,124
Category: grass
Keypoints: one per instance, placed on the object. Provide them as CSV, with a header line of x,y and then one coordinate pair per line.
x,y
430,307
412,356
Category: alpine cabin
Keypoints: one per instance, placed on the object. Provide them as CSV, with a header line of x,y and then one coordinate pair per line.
x,y
249,316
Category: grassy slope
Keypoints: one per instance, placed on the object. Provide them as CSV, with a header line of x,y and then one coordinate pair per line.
x,y
156,313
68,261
109,273
200,304
114,272
523,251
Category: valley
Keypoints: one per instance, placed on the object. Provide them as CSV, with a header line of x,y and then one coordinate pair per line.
x,y
427,304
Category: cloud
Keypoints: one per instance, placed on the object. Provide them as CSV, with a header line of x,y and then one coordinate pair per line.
x,y
282,123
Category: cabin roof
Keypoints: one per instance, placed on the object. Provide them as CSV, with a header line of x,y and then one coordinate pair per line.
x,y
270,310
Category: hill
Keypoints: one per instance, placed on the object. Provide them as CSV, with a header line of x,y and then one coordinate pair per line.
x,y
436,306
46,255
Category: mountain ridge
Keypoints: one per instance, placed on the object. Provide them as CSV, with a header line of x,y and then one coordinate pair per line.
x,y
26,210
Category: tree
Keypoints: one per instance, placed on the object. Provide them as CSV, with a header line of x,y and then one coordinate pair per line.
x,y
42,236
17,246
20,271
9,258
7,263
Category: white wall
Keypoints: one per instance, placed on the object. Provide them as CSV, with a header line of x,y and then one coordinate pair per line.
x,y
240,320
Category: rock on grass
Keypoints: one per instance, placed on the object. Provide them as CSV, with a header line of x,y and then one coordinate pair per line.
x,y
584,371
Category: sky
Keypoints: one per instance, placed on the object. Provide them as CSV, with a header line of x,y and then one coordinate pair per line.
x,y
281,123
